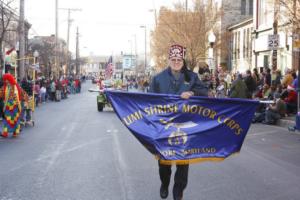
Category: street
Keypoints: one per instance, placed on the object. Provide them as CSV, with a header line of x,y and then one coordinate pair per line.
x,y
75,152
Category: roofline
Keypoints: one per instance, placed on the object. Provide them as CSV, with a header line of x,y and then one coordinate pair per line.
x,y
240,24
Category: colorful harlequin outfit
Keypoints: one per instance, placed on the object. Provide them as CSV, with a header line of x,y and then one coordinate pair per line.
x,y
12,95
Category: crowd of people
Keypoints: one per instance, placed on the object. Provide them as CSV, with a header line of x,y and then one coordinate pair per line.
x,y
24,96
279,91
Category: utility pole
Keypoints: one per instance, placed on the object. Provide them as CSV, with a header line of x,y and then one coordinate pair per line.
x,y
21,41
275,33
135,55
77,53
56,37
145,67
186,6
68,34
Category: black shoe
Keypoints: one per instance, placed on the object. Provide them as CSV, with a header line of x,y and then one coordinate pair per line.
x,y
178,198
177,195
164,192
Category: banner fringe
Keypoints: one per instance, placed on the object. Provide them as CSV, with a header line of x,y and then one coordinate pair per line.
x,y
192,161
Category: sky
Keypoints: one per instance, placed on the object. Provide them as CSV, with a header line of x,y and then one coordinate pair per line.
x,y
106,27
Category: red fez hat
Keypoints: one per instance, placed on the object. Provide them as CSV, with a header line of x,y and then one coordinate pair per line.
x,y
177,51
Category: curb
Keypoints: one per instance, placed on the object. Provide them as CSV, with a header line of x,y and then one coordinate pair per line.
x,y
285,123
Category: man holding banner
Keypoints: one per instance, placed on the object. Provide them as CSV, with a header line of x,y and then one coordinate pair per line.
x,y
179,125
176,79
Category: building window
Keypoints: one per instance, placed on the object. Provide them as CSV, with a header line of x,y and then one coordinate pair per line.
x,y
243,7
250,7
262,12
244,43
266,61
233,45
238,44
250,43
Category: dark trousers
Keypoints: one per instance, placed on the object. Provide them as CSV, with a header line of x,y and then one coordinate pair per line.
x,y
180,179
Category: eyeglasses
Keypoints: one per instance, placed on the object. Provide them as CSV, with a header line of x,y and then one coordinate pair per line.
x,y
176,60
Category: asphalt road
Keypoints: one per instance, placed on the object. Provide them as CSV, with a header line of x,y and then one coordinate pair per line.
x,y
76,153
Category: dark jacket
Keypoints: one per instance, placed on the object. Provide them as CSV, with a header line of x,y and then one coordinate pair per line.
x,y
238,89
250,83
27,87
165,83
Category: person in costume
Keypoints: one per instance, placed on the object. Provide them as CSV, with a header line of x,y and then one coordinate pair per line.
x,y
176,79
12,95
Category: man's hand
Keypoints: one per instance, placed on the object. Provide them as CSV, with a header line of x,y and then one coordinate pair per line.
x,y
186,95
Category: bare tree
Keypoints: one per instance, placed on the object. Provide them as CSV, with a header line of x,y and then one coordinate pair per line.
x,y
8,23
290,12
46,54
187,27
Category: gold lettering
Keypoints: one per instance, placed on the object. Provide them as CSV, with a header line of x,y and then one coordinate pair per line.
x,y
175,107
133,117
238,132
206,112
159,109
200,110
219,118
235,126
147,111
185,108
168,153
198,150
193,109
155,110
230,123
127,122
225,120
212,115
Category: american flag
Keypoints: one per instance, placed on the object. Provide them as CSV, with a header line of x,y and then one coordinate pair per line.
x,y
109,69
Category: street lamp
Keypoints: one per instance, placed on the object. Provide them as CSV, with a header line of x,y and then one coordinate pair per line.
x,y
212,40
145,46
35,55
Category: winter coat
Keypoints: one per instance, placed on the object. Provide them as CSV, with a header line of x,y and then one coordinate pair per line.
x,y
238,89
165,82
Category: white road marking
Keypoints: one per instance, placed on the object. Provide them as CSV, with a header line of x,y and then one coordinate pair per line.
x,y
122,168
53,156
261,133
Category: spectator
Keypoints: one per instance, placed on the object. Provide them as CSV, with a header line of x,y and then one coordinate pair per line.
x,y
221,90
275,111
52,91
228,80
266,91
295,83
238,88
277,80
207,80
255,76
250,83
43,94
287,79
291,100
37,93
267,76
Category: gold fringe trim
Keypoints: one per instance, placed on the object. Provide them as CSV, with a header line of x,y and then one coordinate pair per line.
x,y
192,161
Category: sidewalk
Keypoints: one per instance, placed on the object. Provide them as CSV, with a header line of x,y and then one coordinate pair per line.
x,y
287,122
